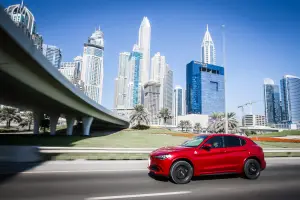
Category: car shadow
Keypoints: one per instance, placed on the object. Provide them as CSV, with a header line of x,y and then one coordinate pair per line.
x,y
158,178
215,177
197,178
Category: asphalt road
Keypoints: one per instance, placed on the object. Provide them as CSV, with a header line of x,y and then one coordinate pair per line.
x,y
281,180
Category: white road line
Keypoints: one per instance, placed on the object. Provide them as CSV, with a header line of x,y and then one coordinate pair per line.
x,y
82,171
138,195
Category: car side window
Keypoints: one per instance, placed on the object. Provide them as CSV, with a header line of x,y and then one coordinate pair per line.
x,y
216,142
243,142
232,141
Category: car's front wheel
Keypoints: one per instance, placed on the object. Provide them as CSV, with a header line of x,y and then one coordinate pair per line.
x,y
252,169
181,172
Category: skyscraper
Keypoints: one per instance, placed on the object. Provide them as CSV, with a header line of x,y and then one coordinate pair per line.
x,y
92,66
204,88
178,102
24,19
290,96
135,84
208,49
168,90
53,54
128,86
144,45
152,93
122,81
71,70
272,102
161,73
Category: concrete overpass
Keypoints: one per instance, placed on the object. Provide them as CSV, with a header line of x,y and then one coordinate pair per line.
x,y
29,81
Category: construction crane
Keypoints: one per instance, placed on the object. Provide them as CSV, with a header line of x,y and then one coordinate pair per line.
x,y
244,105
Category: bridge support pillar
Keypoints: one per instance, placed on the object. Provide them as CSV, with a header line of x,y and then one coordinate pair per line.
x,y
70,124
87,122
37,117
53,123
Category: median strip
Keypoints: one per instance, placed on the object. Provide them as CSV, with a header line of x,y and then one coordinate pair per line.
x,y
138,195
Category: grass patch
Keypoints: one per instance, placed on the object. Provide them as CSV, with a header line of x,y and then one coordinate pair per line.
x,y
283,154
100,156
279,134
278,144
124,138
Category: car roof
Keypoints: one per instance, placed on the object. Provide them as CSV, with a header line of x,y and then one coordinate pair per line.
x,y
223,134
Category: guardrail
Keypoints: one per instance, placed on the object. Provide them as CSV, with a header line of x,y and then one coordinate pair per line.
x,y
132,150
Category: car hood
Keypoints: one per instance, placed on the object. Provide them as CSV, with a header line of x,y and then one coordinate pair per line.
x,y
166,150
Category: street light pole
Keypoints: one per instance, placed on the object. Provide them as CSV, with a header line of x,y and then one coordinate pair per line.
x,y
224,62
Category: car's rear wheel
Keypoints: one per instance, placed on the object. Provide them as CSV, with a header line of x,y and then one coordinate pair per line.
x,y
252,169
181,172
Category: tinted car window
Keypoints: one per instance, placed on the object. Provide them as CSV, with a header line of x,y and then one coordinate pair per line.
x,y
216,142
196,141
243,142
232,141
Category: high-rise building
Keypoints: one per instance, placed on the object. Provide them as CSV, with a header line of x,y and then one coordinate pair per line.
x,y
208,49
24,19
204,88
168,89
178,103
254,120
290,96
68,69
161,73
272,102
122,81
135,85
144,45
92,66
72,70
53,54
152,92
128,86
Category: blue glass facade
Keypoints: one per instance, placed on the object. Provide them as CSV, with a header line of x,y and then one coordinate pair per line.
x,y
290,93
272,103
205,92
136,57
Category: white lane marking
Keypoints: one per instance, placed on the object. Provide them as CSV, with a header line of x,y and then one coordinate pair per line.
x,y
82,171
138,195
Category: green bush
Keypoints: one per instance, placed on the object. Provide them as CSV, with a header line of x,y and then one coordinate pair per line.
x,y
8,130
141,127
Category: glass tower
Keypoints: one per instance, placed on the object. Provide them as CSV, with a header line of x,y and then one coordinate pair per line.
x,y
205,92
290,94
272,102
53,54
92,66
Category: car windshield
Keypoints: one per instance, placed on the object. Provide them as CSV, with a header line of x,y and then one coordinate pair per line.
x,y
194,142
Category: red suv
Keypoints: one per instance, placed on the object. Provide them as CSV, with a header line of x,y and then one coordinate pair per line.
x,y
208,154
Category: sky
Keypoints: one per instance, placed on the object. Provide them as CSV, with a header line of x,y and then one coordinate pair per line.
x,y
262,37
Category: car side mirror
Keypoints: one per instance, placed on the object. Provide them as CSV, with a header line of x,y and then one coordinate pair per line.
x,y
207,146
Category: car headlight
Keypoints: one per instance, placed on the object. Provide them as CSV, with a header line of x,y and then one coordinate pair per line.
x,y
163,157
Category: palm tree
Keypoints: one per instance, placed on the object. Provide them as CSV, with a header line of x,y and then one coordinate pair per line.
x,y
9,114
181,125
139,115
187,125
27,119
217,122
164,114
197,127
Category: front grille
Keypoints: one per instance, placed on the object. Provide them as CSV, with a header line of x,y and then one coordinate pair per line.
x,y
154,168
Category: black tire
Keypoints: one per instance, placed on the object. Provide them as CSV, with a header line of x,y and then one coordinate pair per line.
x,y
181,172
252,169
